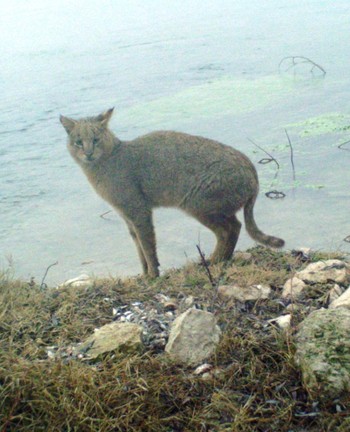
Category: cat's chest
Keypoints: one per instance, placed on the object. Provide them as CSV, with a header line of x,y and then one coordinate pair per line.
x,y
111,186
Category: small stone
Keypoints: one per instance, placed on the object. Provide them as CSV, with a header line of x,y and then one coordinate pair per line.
x,y
325,271
253,292
50,354
283,321
170,306
293,288
304,250
342,301
188,301
206,367
80,281
334,293
161,298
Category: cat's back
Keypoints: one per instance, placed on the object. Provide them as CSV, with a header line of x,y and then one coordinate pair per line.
x,y
171,145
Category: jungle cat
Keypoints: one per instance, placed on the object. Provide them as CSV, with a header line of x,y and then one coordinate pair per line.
x,y
206,179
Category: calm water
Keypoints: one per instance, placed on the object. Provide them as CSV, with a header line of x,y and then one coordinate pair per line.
x,y
203,67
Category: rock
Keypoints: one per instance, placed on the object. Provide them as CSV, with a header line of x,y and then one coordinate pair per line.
x,y
334,293
188,301
206,367
117,336
324,271
253,292
304,250
283,321
342,301
193,337
323,352
293,307
170,305
162,298
293,288
80,281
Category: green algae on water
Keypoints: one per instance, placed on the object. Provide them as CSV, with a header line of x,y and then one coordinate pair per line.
x,y
224,96
322,124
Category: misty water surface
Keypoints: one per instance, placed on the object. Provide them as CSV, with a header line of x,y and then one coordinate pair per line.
x,y
202,67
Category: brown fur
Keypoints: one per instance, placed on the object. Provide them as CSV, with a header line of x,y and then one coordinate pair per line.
x,y
206,179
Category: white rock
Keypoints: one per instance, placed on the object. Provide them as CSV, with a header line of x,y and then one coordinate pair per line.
x,y
253,292
334,293
206,367
188,301
193,337
343,301
293,288
325,271
306,251
283,321
117,336
162,298
82,280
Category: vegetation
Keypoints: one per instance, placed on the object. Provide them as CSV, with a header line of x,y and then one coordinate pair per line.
x,y
257,386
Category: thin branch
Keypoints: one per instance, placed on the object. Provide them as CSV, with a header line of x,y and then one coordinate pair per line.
x,y
273,194
206,266
265,161
43,284
296,60
291,153
340,146
104,214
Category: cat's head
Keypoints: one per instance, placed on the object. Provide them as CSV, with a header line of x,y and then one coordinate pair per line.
x,y
89,139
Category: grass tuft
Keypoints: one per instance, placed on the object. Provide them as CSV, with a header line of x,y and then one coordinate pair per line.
x,y
255,385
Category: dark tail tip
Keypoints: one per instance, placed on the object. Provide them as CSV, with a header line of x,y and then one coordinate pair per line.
x,y
276,242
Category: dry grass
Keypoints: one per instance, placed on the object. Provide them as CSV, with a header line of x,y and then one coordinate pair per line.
x,y
258,388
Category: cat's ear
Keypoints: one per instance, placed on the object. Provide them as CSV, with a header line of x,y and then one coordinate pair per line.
x,y
105,117
67,123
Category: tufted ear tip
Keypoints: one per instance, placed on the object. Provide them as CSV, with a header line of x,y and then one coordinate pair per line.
x,y
67,123
105,117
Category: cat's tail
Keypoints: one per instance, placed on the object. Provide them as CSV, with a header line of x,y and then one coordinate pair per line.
x,y
254,231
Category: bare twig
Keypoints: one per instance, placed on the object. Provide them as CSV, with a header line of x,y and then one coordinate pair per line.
x,y
214,284
273,194
296,60
265,160
291,153
43,284
206,266
340,146
104,214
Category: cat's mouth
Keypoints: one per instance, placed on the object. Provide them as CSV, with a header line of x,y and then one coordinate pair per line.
x,y
89,158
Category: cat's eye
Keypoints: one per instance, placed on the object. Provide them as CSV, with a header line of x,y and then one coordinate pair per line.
x,y
78,143
96,141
